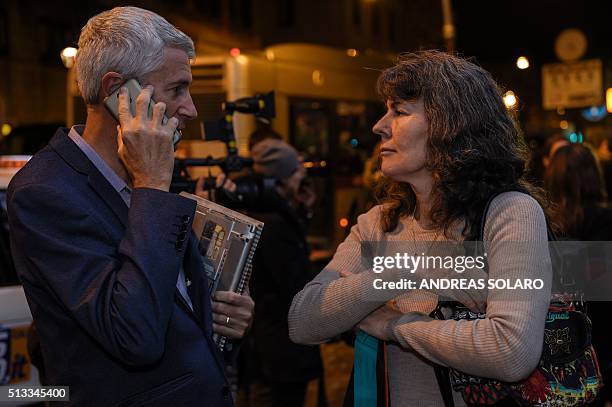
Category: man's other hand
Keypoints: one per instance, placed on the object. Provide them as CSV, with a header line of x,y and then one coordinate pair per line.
x,y
145,144
232,313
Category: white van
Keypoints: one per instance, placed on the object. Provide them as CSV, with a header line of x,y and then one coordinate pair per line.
x,y
15,316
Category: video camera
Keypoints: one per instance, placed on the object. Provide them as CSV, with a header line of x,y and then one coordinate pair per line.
x,y
249,188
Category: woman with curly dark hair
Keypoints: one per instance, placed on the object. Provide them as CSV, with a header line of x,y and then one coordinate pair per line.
x,y
448,146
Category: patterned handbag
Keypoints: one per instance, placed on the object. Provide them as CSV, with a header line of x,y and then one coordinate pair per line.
x,y
567,374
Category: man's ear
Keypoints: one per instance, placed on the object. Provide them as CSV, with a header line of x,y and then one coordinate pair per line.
x,y
110,83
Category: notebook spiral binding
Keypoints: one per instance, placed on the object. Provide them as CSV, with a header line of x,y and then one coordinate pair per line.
x,y
244,279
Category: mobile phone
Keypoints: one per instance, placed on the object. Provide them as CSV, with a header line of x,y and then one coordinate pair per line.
x,y
134,88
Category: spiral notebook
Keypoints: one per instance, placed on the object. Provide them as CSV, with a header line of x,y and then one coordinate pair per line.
x,y
227,241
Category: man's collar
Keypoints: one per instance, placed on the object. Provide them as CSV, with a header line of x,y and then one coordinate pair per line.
x,y
111,176
75,158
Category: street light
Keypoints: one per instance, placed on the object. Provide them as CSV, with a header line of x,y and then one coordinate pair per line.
x,y
67,56
522,62
510,99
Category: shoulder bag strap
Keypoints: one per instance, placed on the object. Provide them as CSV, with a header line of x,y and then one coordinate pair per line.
x,y
442,372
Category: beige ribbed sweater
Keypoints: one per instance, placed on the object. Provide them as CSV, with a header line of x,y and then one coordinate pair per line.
x,y
506,345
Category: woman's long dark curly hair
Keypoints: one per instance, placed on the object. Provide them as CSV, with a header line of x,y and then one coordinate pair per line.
x,y
474,147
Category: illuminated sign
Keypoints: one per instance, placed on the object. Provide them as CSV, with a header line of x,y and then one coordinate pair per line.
x,y
572,85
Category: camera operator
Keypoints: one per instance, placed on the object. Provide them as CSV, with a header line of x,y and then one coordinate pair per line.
x,y
278,370
110,269
221,183
264,131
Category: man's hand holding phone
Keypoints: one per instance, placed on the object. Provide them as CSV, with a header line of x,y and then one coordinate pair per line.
x,y
146,144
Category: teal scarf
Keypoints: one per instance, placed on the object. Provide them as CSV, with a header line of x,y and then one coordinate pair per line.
x,y
366,350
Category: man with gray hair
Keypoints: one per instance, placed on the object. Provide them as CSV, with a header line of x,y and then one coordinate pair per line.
x,y
109,267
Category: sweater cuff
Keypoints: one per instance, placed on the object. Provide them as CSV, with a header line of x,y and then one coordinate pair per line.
x,y
392,330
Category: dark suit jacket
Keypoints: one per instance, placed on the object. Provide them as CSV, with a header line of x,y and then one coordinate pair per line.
x,y
101,284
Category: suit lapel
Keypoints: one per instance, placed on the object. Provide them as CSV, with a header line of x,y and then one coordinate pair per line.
x,y
109,195
74,157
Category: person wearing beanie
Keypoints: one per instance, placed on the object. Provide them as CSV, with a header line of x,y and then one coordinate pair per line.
x,y
264,131
278,370
275,158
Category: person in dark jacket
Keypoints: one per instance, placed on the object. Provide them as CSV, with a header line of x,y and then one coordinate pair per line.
x,y
278,369
111,272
